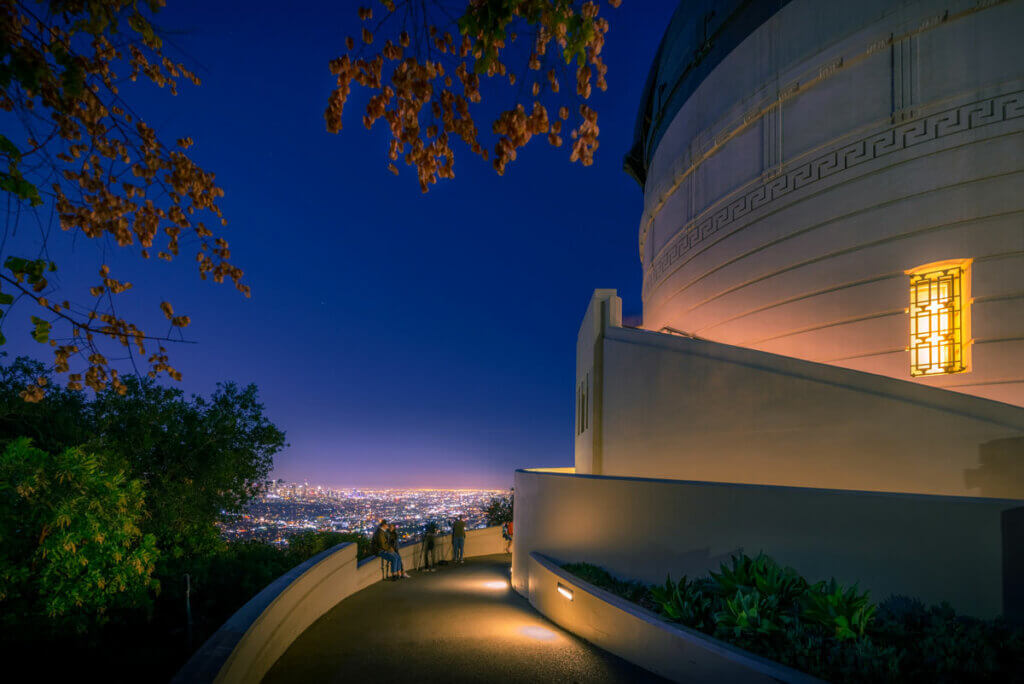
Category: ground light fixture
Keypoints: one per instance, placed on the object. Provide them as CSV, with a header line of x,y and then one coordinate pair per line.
x,y
565,591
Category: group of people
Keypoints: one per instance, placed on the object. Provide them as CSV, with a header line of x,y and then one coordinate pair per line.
x,y
385,544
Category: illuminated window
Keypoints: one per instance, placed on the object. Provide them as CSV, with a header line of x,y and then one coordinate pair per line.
x,y
940,318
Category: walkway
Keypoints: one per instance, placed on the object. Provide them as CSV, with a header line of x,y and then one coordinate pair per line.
x,y
460,624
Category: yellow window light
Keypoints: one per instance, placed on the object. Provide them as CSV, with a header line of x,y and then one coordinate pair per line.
x,y
940,318
565,591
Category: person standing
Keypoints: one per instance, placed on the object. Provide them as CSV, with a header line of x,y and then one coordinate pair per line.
x,y
429,547
458,540
506,532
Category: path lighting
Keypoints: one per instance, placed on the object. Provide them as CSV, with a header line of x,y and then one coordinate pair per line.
x,y
565,591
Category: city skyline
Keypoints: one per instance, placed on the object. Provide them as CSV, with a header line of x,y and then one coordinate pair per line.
x,y
284,509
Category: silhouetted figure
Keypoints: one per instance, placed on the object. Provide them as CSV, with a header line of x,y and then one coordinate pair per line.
x,y
458,540
430,548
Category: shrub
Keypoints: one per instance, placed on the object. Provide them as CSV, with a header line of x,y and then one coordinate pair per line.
x,y
499,510
748,613
305,545
636,592
844,613
827,629
70,545
684,602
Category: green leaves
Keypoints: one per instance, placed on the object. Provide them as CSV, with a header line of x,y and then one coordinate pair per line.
x,y
842,611
13,181
41,332
30,270
70,546
828,630
487,23
684,602
749,613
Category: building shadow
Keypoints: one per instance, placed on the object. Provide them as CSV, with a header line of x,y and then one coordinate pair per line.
x,y
1000,471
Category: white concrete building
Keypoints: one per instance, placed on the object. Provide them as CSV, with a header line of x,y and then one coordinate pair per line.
x,y
831,363
808,166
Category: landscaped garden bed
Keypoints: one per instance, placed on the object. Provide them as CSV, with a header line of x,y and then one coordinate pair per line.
x,y
828,630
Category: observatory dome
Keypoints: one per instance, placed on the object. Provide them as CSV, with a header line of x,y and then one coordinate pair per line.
x,y
841,182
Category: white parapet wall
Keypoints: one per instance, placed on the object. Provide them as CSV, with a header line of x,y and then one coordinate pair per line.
x,y
665,406
637,635
936,548
245,648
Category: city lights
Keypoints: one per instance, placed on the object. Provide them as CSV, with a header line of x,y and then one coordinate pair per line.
x,y
287,508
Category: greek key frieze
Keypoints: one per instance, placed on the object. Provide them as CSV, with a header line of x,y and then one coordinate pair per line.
x,y
718,219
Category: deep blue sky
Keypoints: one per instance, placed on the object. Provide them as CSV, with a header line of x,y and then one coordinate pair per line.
x,y
400,339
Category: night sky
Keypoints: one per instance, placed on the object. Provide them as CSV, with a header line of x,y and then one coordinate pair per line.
x,y
399,339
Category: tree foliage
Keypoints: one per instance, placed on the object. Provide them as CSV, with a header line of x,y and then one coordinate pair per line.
x,y
425,77
70,542
305,545
73,144
195,456
499,511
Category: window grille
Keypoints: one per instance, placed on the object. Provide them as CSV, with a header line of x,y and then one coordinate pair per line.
x,y
938,334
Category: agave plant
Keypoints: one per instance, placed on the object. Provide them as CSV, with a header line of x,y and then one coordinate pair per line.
x,y
841,611
684,602
762,573
738,576
786,583
748,613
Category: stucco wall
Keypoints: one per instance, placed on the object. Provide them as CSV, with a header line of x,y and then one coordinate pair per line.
x,y
837,147
673,407
933,548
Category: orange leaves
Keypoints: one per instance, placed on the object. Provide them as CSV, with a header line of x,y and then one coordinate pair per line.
x,y
425,93
167,309
585,137
108,173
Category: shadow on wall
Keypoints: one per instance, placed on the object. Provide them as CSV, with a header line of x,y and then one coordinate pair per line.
x,y
1000,473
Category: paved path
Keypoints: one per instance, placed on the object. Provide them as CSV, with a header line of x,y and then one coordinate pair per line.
x,y
459,624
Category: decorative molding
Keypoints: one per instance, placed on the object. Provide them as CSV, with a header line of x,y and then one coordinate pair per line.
x,y
904,78
771,142
831,68
879,44
717,219
703,145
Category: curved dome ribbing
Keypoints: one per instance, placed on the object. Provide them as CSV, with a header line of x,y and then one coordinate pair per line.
x,y
700,34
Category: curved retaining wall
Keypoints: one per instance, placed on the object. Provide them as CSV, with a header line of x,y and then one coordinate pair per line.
x,y
250,642
641,637
936,548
